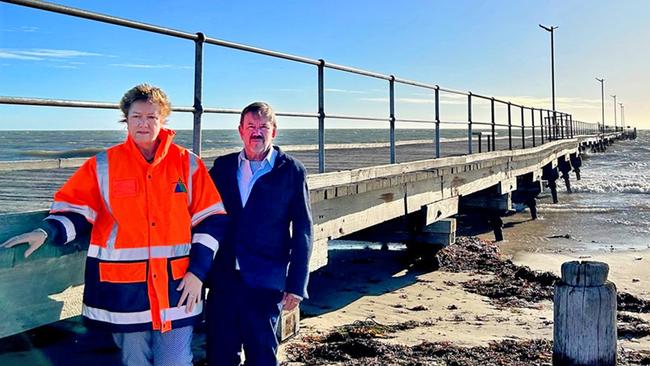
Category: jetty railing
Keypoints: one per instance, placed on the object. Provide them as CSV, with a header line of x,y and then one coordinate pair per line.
x,y
524,126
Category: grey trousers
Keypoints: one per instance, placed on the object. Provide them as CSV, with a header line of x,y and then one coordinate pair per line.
x,y
154,348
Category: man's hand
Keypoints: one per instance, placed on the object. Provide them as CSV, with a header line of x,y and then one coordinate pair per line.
x,y
191,287
34,239
290,301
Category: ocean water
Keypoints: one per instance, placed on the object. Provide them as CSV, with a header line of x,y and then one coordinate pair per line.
x,y
608,210
30,145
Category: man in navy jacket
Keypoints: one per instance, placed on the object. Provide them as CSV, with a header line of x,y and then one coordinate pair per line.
x,y
263,263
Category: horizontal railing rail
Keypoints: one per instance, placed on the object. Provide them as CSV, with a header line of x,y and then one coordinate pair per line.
x,y
543,125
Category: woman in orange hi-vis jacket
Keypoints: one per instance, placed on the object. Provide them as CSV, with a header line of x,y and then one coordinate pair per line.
x,y
155,219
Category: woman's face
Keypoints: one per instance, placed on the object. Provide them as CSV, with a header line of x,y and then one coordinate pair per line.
x,y
144,123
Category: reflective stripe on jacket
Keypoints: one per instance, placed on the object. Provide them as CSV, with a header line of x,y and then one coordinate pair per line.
x,y
142,216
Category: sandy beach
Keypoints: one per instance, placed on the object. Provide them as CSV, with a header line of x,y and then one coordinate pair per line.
x,y
477,306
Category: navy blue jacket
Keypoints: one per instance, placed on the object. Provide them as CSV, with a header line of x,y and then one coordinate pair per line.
x,y
270,255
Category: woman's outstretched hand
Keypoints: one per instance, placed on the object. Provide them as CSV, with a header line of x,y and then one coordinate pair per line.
x,y
35,239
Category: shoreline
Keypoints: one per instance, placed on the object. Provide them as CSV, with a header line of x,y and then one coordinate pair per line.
x,y
461,305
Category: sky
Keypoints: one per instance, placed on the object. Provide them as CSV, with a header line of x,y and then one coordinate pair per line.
x,y
492,48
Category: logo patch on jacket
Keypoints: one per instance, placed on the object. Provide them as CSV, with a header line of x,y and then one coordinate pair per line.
x,y
180,187
124,188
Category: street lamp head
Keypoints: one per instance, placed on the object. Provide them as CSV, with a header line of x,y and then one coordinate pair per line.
x,y
550,29
601,80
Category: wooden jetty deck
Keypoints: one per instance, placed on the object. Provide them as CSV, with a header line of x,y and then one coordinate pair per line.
x,y
356,193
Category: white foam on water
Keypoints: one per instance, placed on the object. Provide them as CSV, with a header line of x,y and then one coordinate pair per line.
x,y
576,209
634,184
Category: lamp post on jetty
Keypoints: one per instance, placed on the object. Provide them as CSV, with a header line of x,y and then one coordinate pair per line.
x,y
614,96
622,116
551,29
602,98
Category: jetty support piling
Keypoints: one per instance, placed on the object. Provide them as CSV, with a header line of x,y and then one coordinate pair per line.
x,y
564,166
584,327
550,175
496,223
576,163
441,233
527,191
429,239
492,205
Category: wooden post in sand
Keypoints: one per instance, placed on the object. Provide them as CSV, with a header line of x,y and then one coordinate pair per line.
x,y
584,332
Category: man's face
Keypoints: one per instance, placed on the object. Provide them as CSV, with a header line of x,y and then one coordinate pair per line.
x,y
257,134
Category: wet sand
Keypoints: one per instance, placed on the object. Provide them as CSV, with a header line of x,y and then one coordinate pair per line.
x,y
474,308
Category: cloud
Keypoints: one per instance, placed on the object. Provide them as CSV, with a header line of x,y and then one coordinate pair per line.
x,y
561,103
287,90
24,28
65,67
52,53
374,100
40,54
414,100
345,91
151,66
16,56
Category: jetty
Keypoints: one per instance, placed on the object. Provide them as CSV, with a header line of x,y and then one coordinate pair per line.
x,y
509,154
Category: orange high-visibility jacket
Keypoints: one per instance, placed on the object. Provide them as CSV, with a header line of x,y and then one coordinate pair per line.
x,y
149,225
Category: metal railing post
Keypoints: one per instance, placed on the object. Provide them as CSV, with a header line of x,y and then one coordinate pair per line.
x,y
391,118
494,146
469,123
509,127
562,126
541,124
555,126
321,116
549,127
198,93
523,132
532,122
437,96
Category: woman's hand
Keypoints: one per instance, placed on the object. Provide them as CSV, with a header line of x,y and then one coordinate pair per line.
x,y
35,239
191,287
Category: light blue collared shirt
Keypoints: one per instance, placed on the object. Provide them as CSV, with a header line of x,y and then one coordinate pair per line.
x,y
250,171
